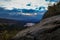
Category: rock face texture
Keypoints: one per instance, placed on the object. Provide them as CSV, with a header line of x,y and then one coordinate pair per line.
x,y
52,11
47,29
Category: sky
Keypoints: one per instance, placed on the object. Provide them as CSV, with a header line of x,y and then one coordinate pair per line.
x,y
23,4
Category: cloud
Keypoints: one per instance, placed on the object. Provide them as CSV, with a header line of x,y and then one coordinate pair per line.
x,y
21,4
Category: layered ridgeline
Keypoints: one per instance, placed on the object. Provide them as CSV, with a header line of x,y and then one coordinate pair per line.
x,y
22,14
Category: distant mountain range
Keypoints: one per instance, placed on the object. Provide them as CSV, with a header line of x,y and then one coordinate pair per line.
x,y
19,10
4,13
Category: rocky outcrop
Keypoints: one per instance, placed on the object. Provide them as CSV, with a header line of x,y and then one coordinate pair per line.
x,y
47,29
52,11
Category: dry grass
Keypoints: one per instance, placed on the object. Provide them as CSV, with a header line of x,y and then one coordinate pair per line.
x,y
6,35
